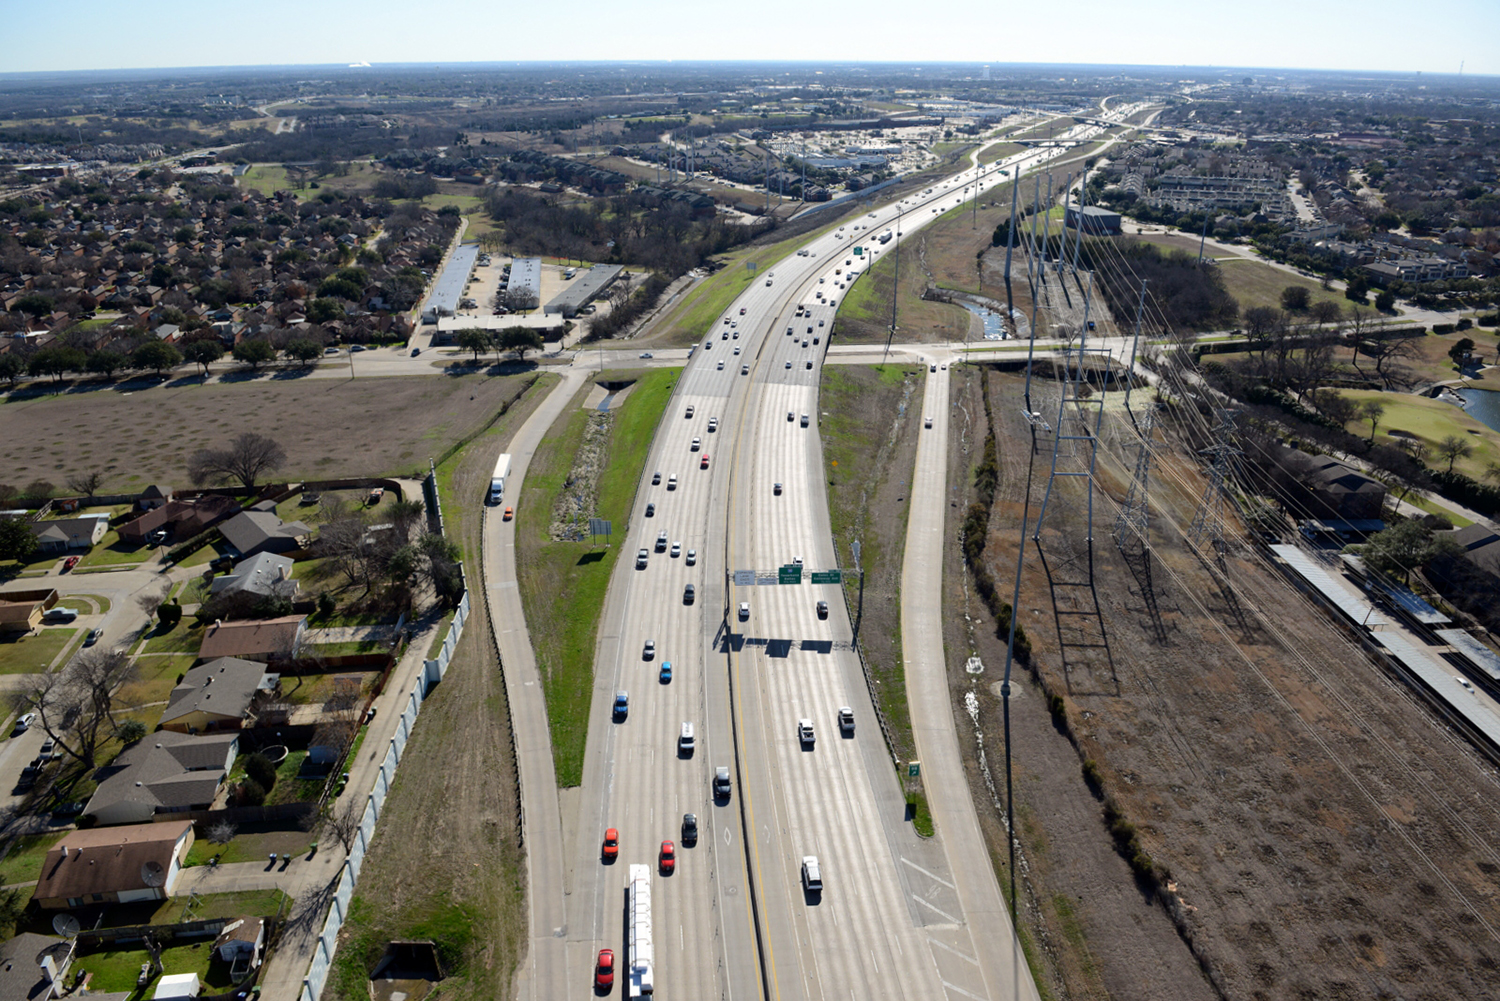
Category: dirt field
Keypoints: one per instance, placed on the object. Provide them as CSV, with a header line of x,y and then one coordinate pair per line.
x,y
329,428
458,882
1319,834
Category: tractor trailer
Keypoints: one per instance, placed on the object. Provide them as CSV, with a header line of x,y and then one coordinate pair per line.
x,y
638,929
497,481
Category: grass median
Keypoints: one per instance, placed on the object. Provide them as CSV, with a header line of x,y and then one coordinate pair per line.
x,y
563,584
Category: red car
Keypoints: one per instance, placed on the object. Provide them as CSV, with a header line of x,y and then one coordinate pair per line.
x,y
703,464
604,970
742,310
668,858
611,849
69,563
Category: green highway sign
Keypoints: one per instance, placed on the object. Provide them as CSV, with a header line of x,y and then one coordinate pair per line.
x,y
789,574
827,577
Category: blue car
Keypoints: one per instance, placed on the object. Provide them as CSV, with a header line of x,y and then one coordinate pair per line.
x,y
666,672
622,705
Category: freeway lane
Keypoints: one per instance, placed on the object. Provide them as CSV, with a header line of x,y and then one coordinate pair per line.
x,y
733,919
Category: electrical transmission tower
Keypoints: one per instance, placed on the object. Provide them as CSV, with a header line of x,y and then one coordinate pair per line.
x,y
1077,392
1208,521
1134,522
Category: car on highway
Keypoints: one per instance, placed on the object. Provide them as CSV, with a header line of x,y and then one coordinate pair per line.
x,y
656,478
822,609
610,850
816,339
667,858
805,733
846,719
689,828
812,874
695,444
736,349
647,354
651,510
622,705
820,322
713,424
809,363
788,363
724,335
648,652
721,366
510,513
704,463
721,782
736,335
641,559
604,970
776,489
742,310
665,675
932,367
661,541
790,414
708,345
689,412
692,557
744,611
686,742
927,422
804,418
804,342
672,482
744,370
676,550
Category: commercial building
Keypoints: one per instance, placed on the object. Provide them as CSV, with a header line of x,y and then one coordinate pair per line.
x,y
583,290
448,289
1096,221
524,290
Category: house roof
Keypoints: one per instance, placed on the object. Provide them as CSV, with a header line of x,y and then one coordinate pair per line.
x,y
223,687
156,492
249,530
67,528
1481,545
263,573
21,977
263,636
107,859
166,770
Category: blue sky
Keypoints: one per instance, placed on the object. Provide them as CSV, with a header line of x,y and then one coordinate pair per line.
x,y
1381,35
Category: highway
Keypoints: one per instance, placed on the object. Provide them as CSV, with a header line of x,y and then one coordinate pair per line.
x,y
733,919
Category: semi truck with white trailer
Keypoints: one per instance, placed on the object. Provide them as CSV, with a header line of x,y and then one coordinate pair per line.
x,y
497,481
638,931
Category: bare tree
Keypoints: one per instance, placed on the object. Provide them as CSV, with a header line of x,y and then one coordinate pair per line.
x,y
74,706
85,484
1372,411
222,832
151,600
343,823
247,459
1386,350
1454,447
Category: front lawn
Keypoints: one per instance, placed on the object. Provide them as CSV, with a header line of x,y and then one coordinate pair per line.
x,y
185,637
31,653
113,553
156,676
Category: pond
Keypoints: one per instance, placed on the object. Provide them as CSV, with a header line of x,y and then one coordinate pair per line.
x,y
1483,405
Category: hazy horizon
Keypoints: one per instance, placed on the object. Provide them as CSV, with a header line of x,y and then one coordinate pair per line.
x,y
1380,36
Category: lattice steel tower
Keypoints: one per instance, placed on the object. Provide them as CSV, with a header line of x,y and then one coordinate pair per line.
x,y
1134,522
1208,521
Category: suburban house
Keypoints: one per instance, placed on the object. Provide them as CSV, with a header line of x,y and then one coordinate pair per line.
x,y
218,695
251,532
57,535
180,519
164,773
264,573
153,496
1322,488
264,640
32,967
114,865
21,611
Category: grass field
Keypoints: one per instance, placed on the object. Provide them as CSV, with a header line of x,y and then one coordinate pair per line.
x,y
397,423
1254,283
869,432
30,653
1431,421
23,862
155,678
564,583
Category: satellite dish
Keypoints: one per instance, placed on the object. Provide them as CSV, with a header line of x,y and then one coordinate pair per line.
x,y
65,925
152,874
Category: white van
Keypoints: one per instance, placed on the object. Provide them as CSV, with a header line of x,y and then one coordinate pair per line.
x,y
812,876
685,742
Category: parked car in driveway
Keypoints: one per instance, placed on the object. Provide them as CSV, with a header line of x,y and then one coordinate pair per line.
x,y
69,563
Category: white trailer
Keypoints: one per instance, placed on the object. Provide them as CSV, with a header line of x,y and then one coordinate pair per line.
x,y
638,928
497,481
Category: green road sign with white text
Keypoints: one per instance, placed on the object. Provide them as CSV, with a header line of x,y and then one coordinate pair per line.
x,y
827,577
789,575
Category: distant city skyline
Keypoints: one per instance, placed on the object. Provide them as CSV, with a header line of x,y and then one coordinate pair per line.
x,y
1384,36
